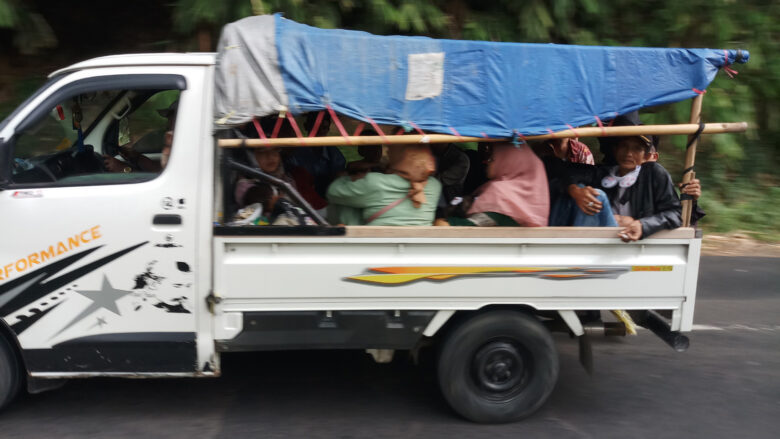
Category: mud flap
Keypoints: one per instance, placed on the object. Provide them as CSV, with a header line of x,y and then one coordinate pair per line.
x,y
586,353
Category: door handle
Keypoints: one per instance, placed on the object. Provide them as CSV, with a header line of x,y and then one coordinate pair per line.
x,y
166,220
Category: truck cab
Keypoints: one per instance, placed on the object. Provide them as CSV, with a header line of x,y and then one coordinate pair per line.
x,y
113,256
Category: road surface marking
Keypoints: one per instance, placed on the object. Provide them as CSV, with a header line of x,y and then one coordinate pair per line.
x,y
738,327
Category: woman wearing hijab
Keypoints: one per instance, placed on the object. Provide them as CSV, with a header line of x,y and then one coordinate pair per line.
x,y
515,195
404,196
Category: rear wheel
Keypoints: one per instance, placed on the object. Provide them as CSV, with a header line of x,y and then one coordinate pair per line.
x,y
10,374
499,366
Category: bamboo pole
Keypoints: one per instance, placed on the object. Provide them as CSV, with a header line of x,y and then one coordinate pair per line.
x,y
661,130
690,158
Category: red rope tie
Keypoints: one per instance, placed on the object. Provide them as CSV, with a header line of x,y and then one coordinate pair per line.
x,y
317,123
359,129
336,120
400,131
260,132
552,133
484,135
523,139
414,125
612,121
296,129
377,129
601,125
729,71
576,136
277,127
700,92
454,131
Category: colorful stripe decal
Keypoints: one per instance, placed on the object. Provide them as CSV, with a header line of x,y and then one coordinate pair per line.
x,y
403,275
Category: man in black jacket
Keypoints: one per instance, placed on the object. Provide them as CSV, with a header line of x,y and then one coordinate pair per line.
x,y
640,192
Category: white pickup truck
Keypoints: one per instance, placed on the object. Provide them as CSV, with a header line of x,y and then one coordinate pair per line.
x,y
132,273
126,274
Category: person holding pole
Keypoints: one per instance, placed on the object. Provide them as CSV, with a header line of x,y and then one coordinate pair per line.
x,y
693,189
640,192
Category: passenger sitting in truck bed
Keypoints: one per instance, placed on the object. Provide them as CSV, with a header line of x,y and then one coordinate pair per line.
x,y
515,195
570,150
404,196
555,154
271,161
608,144
265,206
371,160
640,192
452,167
476,177
268,160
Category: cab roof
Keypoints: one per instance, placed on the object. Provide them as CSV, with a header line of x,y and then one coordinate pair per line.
x,y
142,59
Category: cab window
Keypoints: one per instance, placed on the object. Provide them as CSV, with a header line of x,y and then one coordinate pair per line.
x,y
103,137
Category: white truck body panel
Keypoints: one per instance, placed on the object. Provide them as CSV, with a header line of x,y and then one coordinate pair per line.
x,y
313,273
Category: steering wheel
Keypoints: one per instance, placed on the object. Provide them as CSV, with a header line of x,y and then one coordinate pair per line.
x,y
45,170
88,161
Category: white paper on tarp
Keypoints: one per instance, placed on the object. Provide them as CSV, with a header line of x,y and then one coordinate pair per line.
x,y
247,79
426,76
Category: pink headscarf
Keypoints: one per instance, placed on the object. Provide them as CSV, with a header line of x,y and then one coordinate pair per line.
x,y
518,189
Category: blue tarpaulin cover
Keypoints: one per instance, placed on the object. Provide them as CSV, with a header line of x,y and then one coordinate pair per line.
x,y
474,87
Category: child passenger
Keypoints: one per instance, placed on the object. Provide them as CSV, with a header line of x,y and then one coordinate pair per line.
x,y
269,160
405,196
516,193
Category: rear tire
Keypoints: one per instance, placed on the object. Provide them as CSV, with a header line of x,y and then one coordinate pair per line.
x,y
500,366
10,374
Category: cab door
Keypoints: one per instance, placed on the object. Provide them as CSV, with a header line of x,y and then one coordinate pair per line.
x,y
98,255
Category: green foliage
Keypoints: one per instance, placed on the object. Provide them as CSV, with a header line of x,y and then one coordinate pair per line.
x,y
189,15
9,17
753,211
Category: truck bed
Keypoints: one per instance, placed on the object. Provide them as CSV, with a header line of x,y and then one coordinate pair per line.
x,y
458,268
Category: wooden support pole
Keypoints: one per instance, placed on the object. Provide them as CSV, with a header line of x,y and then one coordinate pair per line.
x,y
690,158
661,130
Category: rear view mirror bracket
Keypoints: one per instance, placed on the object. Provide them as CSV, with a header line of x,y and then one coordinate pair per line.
x,y
126,105
6,156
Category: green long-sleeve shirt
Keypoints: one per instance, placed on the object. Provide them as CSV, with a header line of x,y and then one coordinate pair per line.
x,y
373,192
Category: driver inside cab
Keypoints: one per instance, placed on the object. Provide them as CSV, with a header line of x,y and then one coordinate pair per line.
x,y
133,160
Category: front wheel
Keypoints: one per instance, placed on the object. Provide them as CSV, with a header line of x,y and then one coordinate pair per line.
x,y
499,366
10,374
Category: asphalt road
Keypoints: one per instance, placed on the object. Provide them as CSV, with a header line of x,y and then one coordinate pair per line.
x,y
727,385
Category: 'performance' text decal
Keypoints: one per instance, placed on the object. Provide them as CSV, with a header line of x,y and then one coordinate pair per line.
x,y
70,243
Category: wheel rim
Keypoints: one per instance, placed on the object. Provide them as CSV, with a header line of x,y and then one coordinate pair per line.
x,y
501,369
